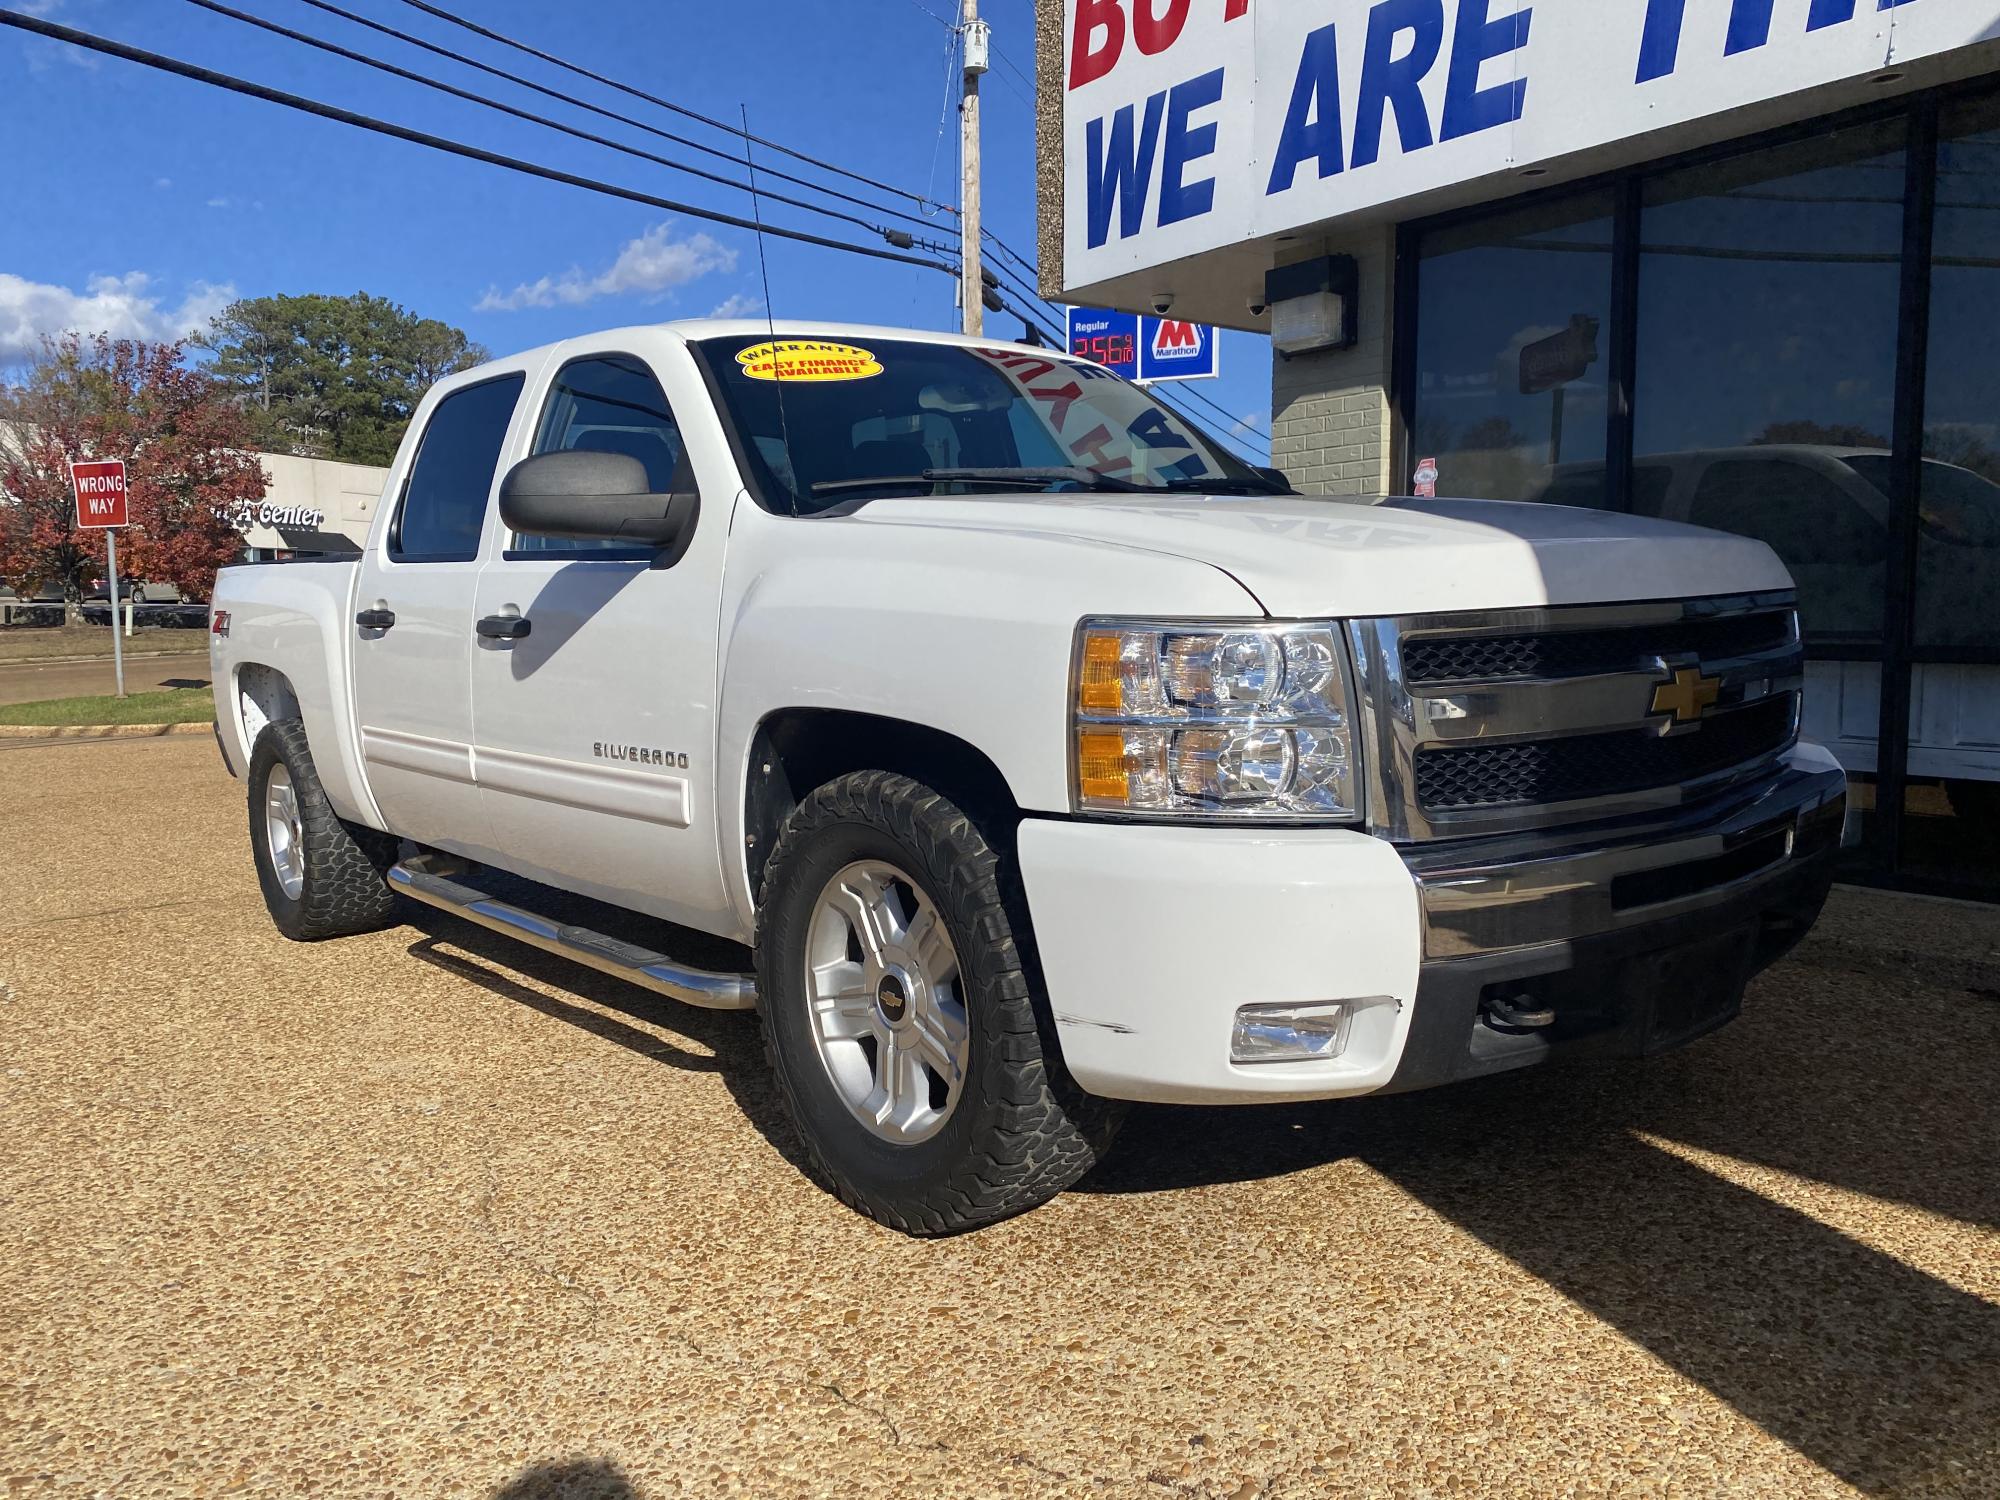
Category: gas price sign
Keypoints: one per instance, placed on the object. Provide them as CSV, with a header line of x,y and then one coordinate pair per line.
x,y
1109,338
1143,348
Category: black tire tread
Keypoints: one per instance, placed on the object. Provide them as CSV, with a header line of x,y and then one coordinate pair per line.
x,y
344,891
1042,1132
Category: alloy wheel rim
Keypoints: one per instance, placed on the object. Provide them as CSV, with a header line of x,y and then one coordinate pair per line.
x,y
284,833
888,1011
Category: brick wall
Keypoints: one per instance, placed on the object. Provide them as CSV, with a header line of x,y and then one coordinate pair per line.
x,y
1330,412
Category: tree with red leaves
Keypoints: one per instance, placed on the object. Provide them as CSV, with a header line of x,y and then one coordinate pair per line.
x,y
182,437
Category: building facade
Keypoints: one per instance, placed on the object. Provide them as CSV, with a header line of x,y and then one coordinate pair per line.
x,y
311,507
1732,262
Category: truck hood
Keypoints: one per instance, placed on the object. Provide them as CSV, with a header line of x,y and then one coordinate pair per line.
x,y
1302,557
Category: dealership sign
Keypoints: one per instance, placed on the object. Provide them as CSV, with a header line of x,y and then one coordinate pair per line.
x,y
1144,348
1189,125
247,516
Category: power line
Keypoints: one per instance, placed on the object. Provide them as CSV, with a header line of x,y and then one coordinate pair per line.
x,y
548,57
680,109
363,58
610,114
90,42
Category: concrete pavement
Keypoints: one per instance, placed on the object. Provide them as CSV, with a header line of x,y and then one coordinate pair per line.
x,y
31,681
424,1213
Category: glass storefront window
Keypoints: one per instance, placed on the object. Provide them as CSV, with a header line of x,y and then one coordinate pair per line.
x,y
1958,524
1512,352
1769,293
1766,375
1951,808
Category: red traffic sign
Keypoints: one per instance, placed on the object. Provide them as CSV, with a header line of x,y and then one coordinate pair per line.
x,y
100,493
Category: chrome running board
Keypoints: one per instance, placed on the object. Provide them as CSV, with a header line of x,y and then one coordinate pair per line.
x,y
430,879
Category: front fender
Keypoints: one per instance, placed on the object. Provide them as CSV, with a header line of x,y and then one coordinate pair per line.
x,y
969,633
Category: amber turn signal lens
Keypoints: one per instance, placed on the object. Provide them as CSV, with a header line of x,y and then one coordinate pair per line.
x,y
1101,684
1100,765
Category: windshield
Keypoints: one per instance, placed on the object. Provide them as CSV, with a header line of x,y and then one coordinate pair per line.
x,y
824,423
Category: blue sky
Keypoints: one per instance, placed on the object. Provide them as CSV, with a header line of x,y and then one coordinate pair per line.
x,y
139,202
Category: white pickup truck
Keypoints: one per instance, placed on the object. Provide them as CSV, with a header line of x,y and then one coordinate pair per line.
x,y
1039,754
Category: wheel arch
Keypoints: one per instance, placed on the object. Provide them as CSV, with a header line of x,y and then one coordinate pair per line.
x,y
796,750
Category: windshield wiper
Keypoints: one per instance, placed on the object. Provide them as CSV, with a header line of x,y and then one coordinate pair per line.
x,y
1220,486
1027,478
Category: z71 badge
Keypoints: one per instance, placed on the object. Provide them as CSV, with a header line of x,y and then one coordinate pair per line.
x,y
639,755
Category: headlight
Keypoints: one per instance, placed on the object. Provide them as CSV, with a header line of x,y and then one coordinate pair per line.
x,y
1222,721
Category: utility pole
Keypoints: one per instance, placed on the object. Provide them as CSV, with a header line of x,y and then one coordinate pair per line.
x,y
971,283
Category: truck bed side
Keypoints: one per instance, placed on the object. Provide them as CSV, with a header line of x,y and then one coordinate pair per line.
x,y
287,651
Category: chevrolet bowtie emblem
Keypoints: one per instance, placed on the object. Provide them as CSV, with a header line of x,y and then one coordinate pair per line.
x,y
1688,696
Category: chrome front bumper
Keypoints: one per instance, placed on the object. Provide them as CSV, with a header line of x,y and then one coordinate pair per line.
x,y
1543,888
1638,936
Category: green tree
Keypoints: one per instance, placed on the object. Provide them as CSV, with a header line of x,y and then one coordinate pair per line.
x,y
332,377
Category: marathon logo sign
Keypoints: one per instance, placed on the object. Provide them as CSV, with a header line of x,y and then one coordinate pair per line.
x,y
1194,124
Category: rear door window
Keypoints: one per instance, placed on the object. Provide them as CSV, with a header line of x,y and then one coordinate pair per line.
x,y
444,501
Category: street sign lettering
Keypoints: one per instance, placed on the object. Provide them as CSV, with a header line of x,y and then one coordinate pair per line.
x,y
100,493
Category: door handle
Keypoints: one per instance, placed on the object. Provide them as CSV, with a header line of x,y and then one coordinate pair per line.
x,y
505,627
375,619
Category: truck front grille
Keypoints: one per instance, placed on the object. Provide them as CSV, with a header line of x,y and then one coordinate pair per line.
x,y
1580,653
1515,719
1540,772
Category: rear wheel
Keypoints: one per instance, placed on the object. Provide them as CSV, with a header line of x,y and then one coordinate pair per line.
x,y
895,1000
322,877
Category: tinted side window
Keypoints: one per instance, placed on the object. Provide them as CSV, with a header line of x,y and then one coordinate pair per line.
x,y
444,502
610,404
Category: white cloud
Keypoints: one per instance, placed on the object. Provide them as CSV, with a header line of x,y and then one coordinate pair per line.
x,y
650,266
1250,422
163,183
39,8
736,305
216,203
125,307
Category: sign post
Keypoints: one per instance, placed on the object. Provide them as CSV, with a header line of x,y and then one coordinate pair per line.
x,y
100,506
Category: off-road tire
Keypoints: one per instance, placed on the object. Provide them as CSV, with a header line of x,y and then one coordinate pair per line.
x,y
1022,1130
345,864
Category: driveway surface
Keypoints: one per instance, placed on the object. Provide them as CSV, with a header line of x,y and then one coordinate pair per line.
x,y
31,681
426,1214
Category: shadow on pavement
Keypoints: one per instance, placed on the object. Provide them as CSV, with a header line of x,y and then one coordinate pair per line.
x,y
724,1043
1878,1372
569,1479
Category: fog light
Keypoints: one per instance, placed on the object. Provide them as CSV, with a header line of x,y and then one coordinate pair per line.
x,y
1290,1033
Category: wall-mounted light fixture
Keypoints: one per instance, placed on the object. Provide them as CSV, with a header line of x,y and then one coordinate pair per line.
x,y
1313,305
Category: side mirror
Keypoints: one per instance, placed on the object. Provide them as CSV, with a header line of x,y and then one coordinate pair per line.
x,y
594,497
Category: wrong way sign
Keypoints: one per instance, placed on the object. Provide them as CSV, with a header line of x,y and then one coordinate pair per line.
x,y
100,493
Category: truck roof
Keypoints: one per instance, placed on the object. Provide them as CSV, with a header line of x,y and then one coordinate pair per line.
x,y
693,330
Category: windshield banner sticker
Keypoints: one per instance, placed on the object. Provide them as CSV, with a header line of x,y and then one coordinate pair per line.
x,y
808,360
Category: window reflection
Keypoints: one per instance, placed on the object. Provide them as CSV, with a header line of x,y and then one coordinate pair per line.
x,y
1512,351
1958,529
1767,359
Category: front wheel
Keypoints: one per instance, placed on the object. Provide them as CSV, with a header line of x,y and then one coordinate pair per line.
x,y
322,877
898,1019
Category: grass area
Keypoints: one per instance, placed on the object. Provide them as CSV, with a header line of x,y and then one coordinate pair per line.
x,y
169,706
36,642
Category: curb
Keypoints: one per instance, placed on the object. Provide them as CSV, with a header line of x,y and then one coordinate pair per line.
x,y
99,731
75,661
